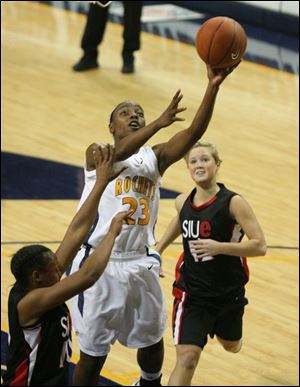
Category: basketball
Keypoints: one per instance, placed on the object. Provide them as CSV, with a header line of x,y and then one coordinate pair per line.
x,y
221,42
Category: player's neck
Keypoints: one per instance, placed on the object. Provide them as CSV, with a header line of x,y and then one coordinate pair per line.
x,y
203,194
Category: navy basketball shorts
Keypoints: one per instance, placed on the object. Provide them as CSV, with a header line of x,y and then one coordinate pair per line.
x,y
193,319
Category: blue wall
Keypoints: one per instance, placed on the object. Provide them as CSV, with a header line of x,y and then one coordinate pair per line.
x,y
262,17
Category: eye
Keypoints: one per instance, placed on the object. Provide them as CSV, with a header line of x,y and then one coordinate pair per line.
x,y
141,114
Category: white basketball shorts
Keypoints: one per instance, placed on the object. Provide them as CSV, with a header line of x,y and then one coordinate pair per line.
x,y
125,304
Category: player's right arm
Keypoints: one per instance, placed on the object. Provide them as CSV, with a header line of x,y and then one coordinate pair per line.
x,y
38,301
84,218
173,150
174,228
172,231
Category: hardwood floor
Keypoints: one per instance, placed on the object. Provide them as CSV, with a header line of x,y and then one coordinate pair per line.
x,y
50,112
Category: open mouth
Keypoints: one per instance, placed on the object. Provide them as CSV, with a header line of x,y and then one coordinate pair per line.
x,y
134,124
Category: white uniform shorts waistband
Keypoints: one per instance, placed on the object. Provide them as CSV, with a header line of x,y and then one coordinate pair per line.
x,y
129,255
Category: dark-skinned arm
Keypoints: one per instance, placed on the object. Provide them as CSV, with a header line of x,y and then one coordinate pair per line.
x,y
85,217
40,300
173,150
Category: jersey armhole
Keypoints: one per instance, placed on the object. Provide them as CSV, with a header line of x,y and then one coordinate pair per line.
x,y
90,174
229,202
156,161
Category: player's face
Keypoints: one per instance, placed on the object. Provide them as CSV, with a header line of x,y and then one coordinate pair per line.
x,y
202,165
51,275
127,118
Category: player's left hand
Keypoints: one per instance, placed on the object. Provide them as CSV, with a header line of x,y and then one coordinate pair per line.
x,y
104,159
170,114
205,247
217,76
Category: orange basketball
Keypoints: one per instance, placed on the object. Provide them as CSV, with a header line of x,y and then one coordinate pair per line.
x,y
221,42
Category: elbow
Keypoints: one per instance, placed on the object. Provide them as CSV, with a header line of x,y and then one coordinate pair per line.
x,y
257,248
262,249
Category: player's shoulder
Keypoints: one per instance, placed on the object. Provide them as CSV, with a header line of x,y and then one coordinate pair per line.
x,y
147,149
237,200
180,200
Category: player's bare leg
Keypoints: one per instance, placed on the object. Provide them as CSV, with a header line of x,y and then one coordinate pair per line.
x,y
87,370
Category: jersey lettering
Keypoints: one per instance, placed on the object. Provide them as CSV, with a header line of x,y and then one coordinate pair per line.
x,y
66,350
144,220
133,203
65,326
139,184
196,229
205,229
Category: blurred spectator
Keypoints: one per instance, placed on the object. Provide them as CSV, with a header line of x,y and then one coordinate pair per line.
x,y
94,32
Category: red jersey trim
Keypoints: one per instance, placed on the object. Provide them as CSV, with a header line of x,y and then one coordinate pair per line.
x,y
21,374
245,267
204,205
177,267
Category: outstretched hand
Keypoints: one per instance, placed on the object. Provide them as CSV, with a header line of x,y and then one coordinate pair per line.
x,y
170,114
217,76
104,159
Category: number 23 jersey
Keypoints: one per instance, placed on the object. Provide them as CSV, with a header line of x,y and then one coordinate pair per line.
x,y
136,189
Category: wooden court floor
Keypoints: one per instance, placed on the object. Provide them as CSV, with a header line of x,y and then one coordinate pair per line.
x,y
52,113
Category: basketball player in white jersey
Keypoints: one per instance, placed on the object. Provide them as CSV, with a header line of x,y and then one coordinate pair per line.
x,y
127,304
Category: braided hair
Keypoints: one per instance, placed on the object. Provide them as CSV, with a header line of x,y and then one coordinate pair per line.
x,y
27,259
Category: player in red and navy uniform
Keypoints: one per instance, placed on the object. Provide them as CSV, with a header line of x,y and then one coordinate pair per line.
x,y
32,346
211,273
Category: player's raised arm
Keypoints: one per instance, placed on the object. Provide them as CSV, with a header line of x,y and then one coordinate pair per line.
x,y
173,150
85,217
45,298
